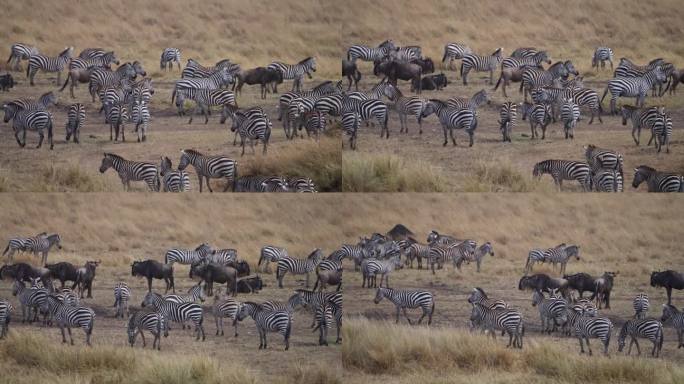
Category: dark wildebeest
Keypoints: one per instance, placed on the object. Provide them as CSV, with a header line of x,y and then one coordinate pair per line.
x,y
394,70
63,271
544,283
425,64
353,74
7,82
85,277
604,285
668,279
152,269
23,272
250,285
399,232
328,277
431,82
581,282
259,75
242,267
210,273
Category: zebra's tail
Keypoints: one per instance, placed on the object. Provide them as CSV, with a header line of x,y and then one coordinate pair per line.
x,y
288,330
348,55
6,249
527,264
68,76
461,71
444,57
660,336
499,81
49,127
603,97
116,302
28,70
166,258
173,95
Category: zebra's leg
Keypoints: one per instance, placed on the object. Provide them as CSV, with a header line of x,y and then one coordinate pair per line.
x,y
397,316
406,316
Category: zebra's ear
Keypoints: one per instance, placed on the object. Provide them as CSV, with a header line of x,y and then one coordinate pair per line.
x,y
636,169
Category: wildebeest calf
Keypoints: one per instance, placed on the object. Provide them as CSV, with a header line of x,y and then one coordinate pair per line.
x,y
431,82
6,82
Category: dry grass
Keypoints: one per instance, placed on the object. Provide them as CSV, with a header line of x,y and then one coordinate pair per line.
x,y
500,176
70,178
389,173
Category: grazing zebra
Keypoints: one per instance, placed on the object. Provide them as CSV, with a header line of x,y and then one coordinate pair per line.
x,y
91,53
29,120
295,72
481,64
19,52
216,167
658,181
270,253
552,311
478,296
75,120
534,60
570,114
187,256
601,55
31,299
48,64
506,320
479,98
204,100
172,180
224,307
267,321
457,253
301,185
67,317
215,81
607,180
44,101
406,106
141,119
636,87
6,309
153,322
671,315
403,299
19,244
194,70
252,129
297,266
455,51
373,267
662,131
650,329
508,116
600,158
122,293
564,170
368,109
452,118
168,57
641,306
261,184
102,78
539,115
640,117
42,244
323,318
370,54
536,78
130,170
593,327
350,125
177,312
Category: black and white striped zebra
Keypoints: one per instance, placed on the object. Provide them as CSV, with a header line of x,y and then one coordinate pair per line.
x,y
130,170
271,253
601,55
142,91
18,244
209,167
406,53
373,267
267,321
552,311
564,170
355,252
593,327
479,253
6,309
506,320
478,296
194,294
117,115
559,254
607,180
406,106
122,294
416,251
187,256
481,64
472,103
68,317
641,305
295,72
104,60
257,128
636,87
315,123
436,238
452,118
222,256
456,253
44,101
323,319
508,117
350,126
168,57
19,52
141,119
403,299
204,99
523,52
173,180
261,184
297,266
42,245
570,115
151,321
31,119
535,60
658,181
301,185
48,64
367,110
217,80
312,300
323,89
662,131
626,68
91,53
224,307
366,53
640,117
179,313
30,299
650,329
536,78
194,70
455,51
102,78
600,158
675,318
75,121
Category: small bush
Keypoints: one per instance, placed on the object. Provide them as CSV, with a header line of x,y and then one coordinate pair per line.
x,y
389,173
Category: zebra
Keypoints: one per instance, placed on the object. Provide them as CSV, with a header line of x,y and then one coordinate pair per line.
x,y
295,72
252,129
570,114
141,119
271,253
117,115
224,307
600,158
350,125
142,91
455,51
295,116
179,313
216,167
48,64
355,252
436,238
636,87
172,180
662,131
44,101
523,52
168,57
19,52
130,170
593,327
407,53
323,318
481,64
31,300
204,100
366,53
222,256
640,117
478,296
506,320
75,120
372,267
6,309
452,118
406,106
91,53
29,119
671,315
508,117
368,109
102,78
261,184
559,254
564,170
122,293
539,115
106,59
311,299
626,68
42,245
588,98
535,60
18,244
194,70
68,297
607,180
457,253
267,321
479,253
478,99
297,266
195,293
641,306
552,311
324,89
68,317
583,307
216,81
601,55
535,78
651,329
658,181
301,185
151,321
417,251
186,256
403,299
315,123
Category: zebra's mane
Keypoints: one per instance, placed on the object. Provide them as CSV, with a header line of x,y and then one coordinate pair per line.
x,y
115,156
305,60
66,51
482,292
192,152
321,85
53,237
645,168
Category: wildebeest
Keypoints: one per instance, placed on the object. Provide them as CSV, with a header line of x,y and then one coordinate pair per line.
x,y
353,74
581,282
152,269
668,279
328,277
63,271
23,272
6,82
604,285
259,75
544,283
431,82
425,64
399,232
250,285
396,70
85,277
511,74
210,273
242,267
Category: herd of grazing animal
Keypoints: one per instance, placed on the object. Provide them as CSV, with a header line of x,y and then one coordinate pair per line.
x,y
65,306
560,301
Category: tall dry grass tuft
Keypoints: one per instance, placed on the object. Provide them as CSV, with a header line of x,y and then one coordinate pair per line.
x,y
389,173
306,373
68,178
500,176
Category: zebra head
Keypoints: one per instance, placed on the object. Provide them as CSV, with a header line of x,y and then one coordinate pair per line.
x,y
187,158
380,294
150,299
57,240
10,110
570,68
138,68
107,162
669,311
573,251
641,174
485,249
537,297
